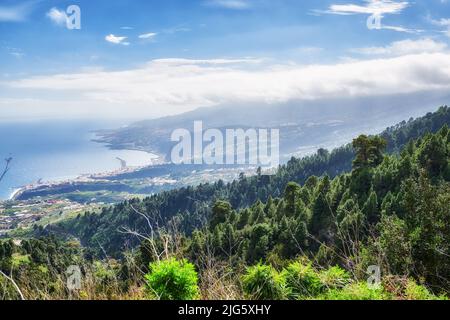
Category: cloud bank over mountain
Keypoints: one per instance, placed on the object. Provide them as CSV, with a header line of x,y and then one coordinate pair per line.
x,y
170,86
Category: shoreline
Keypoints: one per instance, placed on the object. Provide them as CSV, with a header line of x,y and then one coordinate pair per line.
x,y
14,194
83,178
56,162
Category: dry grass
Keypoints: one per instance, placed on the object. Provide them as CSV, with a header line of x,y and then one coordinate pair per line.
x,y
218,282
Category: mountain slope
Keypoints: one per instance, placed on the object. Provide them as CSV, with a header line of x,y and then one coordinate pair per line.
x,y
389,211
192,205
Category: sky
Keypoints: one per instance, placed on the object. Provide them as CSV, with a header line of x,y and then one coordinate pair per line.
x,y
139,59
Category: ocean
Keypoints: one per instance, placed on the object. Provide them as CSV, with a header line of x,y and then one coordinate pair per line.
x,y
57,150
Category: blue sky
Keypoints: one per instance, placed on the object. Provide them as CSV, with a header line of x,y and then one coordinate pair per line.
x,y
122,41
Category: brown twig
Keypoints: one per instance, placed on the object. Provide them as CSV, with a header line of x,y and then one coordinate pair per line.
x,y
14,284
6,169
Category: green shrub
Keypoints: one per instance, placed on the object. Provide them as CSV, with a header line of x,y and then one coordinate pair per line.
x,y
262,282
302,281
414,291
103,272
173,280
356,291
335,278
19,260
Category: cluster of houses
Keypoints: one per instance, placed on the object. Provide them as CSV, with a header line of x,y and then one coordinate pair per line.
x,y
22,214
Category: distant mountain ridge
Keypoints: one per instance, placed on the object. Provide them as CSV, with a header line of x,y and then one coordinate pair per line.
x,y
304,127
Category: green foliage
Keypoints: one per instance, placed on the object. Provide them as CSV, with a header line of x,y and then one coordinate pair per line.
x,y
322,216
173,280
433,155
370,209
417,292
19,260
335,278
394,245
262,282
292,197
189,206
356,291
259,241
37,266
390,210
302,281
369,151
220,212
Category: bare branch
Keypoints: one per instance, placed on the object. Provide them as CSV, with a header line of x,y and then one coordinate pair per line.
x,y
14,284
6,169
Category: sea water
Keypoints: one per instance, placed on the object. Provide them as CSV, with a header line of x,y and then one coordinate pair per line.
x,y
57,150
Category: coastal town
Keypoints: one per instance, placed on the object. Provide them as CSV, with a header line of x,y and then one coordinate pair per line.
x,y
47,202
17,216
84,178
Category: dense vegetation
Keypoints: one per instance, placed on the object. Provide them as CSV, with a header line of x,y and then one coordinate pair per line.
x,y
390,211
189,207
309,232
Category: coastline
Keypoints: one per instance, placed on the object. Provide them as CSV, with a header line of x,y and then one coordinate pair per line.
x,y
83,178
60,150
15,193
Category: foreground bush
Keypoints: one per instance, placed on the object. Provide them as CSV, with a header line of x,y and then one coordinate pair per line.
x,y
263,282
417,292
335,278
173,280
302,281
356,291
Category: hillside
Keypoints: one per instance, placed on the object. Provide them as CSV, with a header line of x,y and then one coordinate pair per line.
x,y
315,241
191,206
390,211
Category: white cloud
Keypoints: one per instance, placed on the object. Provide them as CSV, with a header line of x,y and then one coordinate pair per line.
x,y
117,39
399,48
229,4
445,23
401,29
169,86
210,62
59,17
16,13
176,30
378,7
147,35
